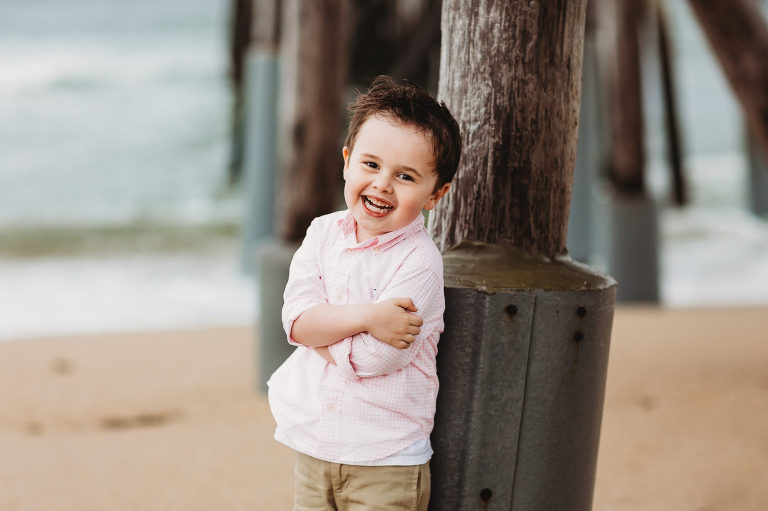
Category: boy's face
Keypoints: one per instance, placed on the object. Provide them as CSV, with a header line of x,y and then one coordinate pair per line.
x,y
389,176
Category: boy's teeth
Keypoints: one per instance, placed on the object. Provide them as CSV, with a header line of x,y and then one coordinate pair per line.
x,y
376,204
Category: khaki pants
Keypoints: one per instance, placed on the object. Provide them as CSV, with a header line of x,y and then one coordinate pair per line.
x,y
321,485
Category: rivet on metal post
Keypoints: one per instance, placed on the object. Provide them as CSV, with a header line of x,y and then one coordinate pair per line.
x,y
511,310
581,312
578,336
486,494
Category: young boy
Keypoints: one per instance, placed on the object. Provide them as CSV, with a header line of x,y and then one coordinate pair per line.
x,y
364,304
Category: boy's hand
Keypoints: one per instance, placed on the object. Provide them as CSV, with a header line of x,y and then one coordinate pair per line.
x,y
393,322
325,353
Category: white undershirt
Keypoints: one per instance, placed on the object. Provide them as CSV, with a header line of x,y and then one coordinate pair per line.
x,y
417,453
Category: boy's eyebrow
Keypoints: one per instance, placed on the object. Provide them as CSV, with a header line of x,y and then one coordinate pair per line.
x,y
404,167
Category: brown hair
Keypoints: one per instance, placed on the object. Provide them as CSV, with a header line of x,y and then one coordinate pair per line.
x,y
411,105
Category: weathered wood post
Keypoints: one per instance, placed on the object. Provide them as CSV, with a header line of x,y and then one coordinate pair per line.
x,y
312,84
757,183
738,34
399,38
240,20
671,120
589,151
758,166
260,152
523,359
629,235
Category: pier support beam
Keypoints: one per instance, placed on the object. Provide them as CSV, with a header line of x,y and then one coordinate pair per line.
x,y
313,70
260,159
273,260
522,367
758,177
522,361
628,244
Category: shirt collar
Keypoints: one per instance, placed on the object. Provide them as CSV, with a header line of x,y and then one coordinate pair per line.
x,y
348,225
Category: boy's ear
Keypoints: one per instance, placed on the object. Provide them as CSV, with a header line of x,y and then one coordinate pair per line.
x,y
345,154
432,202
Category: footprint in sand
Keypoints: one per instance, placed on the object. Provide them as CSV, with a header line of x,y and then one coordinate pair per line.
x,y
142,420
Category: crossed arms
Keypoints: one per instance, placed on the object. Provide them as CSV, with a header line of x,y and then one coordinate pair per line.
x,y
369,339
392,321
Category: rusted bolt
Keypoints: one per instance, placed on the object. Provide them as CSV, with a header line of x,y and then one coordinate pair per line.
x,y
511,309
581,312
486,494
578,335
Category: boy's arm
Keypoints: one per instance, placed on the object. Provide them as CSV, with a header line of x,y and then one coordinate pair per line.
x,y
305,288
366,356
309,320
323,352
391,321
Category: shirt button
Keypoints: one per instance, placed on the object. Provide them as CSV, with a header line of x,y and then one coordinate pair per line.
x,y
332,407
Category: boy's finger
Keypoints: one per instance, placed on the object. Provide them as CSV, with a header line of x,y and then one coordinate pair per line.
x,y
416,320
405,303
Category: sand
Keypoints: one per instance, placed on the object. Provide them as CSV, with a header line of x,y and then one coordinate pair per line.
x,y
172,421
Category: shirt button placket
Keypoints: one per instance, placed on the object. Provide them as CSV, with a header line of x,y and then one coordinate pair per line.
x,y
331,423
345,262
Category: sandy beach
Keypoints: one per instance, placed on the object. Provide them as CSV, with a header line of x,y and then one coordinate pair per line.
x,y
171,420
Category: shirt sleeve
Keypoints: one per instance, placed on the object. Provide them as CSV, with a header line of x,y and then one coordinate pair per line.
x,y
305,287
365,356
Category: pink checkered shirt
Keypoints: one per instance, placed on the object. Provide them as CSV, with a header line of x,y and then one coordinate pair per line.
x,y
378,399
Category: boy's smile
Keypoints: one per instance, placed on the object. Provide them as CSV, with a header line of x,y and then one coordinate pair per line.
x,y
389,176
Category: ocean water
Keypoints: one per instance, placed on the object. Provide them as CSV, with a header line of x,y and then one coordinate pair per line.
x,y
714,251
114,125
113,112
129,291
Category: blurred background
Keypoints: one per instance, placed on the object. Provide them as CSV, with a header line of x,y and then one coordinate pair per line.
x,y
122,196
115,210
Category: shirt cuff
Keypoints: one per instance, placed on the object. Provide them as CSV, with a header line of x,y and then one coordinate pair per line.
x,y
340,353
292,313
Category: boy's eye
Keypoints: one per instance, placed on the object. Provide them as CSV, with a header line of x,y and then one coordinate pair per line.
x,y
406,177
371,164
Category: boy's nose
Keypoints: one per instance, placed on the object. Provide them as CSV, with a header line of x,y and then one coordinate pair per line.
x,y
383,182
